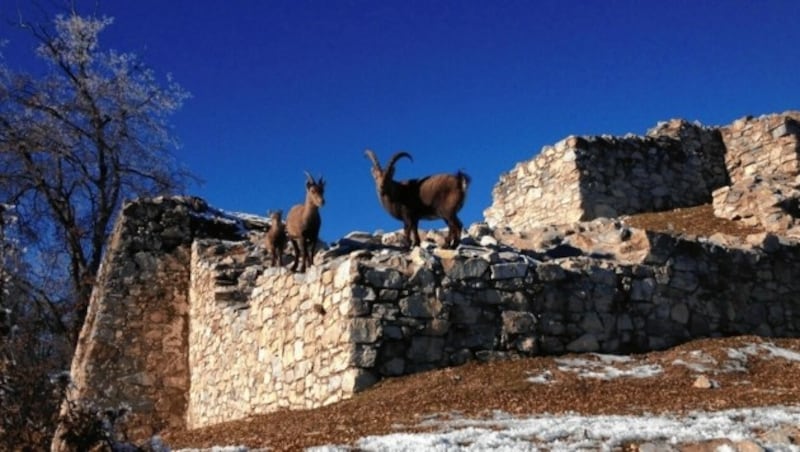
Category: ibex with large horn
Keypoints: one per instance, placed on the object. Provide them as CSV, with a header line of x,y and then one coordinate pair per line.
x,y
428,198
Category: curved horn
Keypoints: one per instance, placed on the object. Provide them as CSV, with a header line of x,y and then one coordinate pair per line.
x,y
371,155
309,178
397,157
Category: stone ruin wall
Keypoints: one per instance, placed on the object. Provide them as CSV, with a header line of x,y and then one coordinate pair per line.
x,y
235,338
677,164
132,349
764,166
303,341
765,146
264,339
188,327
583,178
136,322
526,196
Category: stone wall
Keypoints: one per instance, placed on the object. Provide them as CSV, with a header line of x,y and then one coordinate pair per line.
x,y
763,159
133,348
772,203
764,146
438,307
265,339
582,178
677,164
189,328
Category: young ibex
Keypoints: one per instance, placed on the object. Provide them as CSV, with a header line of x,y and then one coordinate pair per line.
x,y
303,223
276,238
431,197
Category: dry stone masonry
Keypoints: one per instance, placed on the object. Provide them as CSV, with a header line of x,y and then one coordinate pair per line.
x,y
582,178
266,339
189,325
762,161
763,146
677,164
133,348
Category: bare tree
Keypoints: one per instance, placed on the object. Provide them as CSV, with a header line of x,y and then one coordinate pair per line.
x,y
29,351
75,142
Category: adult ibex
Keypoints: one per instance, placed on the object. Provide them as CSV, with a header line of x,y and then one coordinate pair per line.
x,y
430,197
303,223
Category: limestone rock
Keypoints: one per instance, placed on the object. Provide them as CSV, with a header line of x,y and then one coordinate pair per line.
x,y
703,382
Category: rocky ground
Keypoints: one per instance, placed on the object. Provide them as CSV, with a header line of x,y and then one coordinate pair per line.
x,y
476,389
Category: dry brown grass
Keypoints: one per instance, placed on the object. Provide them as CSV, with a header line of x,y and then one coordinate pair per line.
x,y
697,221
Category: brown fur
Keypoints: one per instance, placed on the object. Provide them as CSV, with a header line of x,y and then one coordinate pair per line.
x,y
303,223
276,238
428,198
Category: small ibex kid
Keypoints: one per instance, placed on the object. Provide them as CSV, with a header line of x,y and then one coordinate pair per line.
x,y
276,238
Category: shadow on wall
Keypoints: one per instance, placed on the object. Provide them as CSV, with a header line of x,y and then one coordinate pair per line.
x,y
677,165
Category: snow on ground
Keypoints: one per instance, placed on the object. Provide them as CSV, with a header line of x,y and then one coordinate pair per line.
x,y
606,367
574,432
504,432
773,350
698,361
767,427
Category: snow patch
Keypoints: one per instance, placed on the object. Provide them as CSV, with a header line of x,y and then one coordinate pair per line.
x,y
698,361
542,378
601,367
570,432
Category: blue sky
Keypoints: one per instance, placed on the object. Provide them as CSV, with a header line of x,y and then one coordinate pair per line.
x,y
281,87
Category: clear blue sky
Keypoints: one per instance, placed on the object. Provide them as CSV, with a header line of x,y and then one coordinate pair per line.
x,y
280,87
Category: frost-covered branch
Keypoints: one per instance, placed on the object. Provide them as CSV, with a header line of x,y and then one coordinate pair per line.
x,y
78,140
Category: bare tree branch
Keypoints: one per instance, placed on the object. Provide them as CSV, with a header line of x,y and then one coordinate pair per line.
x,y
78,140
